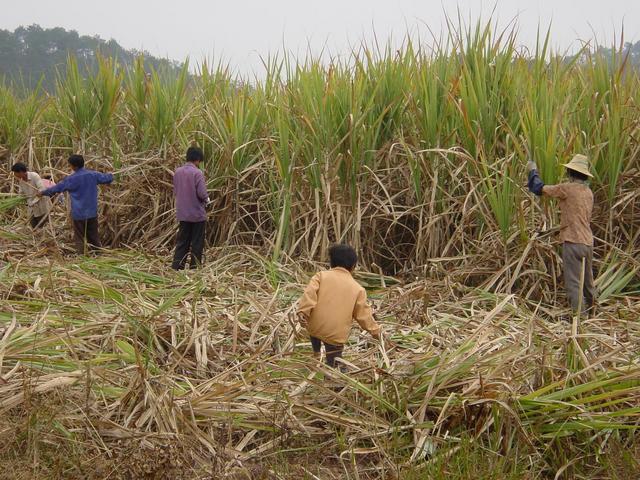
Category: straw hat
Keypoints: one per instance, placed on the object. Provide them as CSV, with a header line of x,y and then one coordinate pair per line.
x,y
579,163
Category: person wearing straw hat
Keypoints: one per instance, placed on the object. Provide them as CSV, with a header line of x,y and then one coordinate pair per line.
x,y
30,184
576,205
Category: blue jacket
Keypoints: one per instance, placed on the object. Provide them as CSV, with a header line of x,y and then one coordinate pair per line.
x,y
82,185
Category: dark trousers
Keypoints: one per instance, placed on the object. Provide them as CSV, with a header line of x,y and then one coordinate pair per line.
x,y
331,351
190,239
574,256
86,235
37,222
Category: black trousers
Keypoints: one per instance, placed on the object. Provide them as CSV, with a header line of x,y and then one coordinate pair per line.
x,y
86,235
332,351
190,239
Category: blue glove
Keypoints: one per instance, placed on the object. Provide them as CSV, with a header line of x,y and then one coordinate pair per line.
x,y
535,183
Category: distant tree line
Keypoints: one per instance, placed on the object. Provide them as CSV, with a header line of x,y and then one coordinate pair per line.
x,y
630,50
33,55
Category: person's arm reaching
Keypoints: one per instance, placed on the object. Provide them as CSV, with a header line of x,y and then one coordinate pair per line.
x,y
104,178
534,183
364,316
63,186
201,188
309,298
555,191
537,186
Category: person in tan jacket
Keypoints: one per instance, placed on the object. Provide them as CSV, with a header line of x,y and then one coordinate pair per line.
x,y
30,185
576,205
330,303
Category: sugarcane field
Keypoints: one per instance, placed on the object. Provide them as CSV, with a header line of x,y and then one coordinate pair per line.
x,y
402,263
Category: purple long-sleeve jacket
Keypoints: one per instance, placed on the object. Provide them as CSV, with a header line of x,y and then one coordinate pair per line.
x,y
191,194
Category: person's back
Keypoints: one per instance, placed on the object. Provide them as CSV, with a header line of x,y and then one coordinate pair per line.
x,y
332,301
190,192
83,190
576,205
340,300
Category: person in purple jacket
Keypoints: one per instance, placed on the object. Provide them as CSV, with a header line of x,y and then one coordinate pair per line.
x,y
82,186
190,190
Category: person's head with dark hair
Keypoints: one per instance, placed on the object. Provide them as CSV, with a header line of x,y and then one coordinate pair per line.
x,y
342,255
194,155
76,162
19,170
577,175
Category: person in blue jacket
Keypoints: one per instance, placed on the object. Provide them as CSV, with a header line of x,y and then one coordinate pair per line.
x,y
82,186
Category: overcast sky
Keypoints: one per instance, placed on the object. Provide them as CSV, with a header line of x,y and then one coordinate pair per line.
x,y
240,31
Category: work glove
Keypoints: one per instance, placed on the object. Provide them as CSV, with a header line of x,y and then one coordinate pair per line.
x,y
531,165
